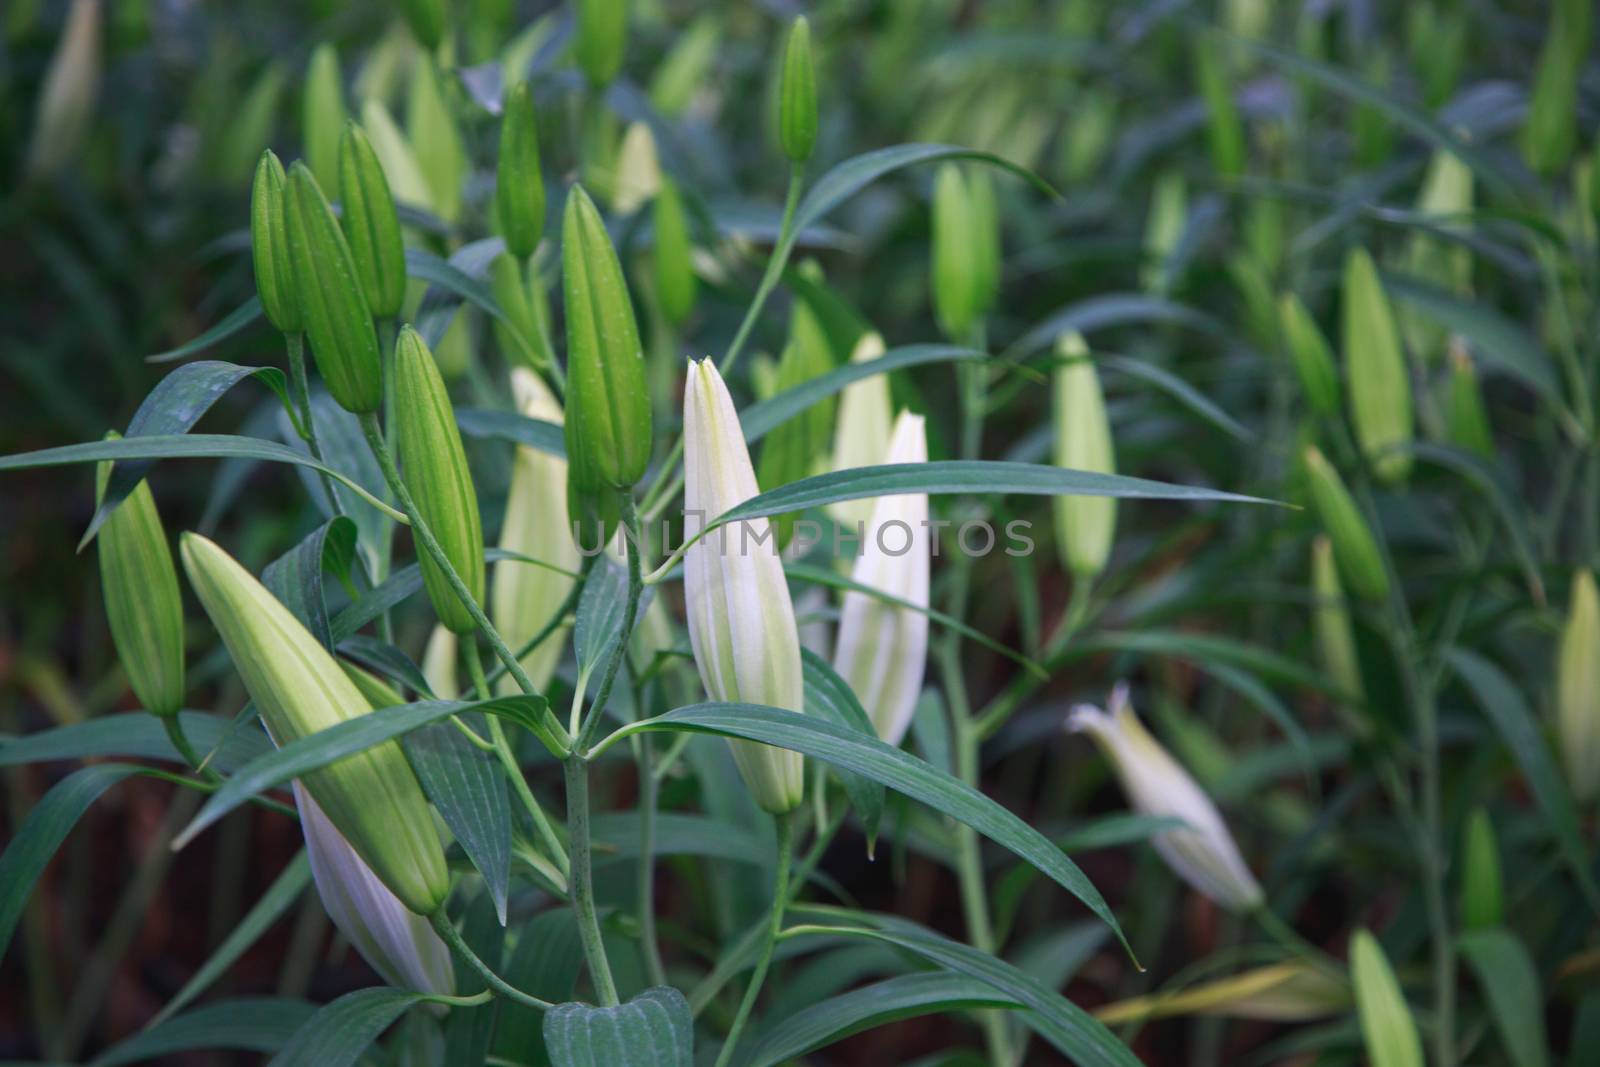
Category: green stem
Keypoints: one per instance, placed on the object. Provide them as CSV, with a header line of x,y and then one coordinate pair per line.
x,y
300,395
452,937
780,902
580,883
631,535
501,746
386,341
430,544
554,623
1289,939
180,741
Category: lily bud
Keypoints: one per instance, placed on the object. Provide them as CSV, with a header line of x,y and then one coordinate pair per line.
x,y
741,620
1466,422
1578,688
608,401
1375,365
682,72
371,224
1311,355
66,102
1163,229
1203,853
1445,198
400,166
143,604
426,19
323,114
602,39
955,265
440,657
1353,544
985,240
399,944
1330,621
523,596
525,338
269,246
343,341
861,433
797,94
1085,525
519,181
883,648
798,447
372,797
1224,130
1482,887
432,131
675,278
638,174
1387,1028
1550,132
436,472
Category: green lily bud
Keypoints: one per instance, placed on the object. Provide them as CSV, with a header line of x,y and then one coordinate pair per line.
x,y
608,402
1387,1027
741,620
426,19
1163,229
986,240
1353,543
1482,888
675,278
436,472
525,338
143,604
955,264
798,447
1085,525
1446,195
1466,421
66,102
682,72
1330,622
371,224
1091,129
524,597
862,431
432,131
343,341
372,797
1578,688
1550,132
518,181
637,177
269,246
400,166
1311,355
797,94
1224,129
602,39
1375,365
323,115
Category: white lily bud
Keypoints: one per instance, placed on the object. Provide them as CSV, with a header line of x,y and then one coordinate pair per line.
x,y
741,620
1203,853
1578,688
638,171
400,944
883,648
1085,525
523,597
66,102
439,662
861,434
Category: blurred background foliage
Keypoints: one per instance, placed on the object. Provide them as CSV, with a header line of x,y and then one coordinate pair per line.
x,y
1211,157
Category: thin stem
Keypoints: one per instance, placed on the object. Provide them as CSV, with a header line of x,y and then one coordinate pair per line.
x,y
452,937
554,623
300,396
180,741
430,544
580,883
780,902
631,535
386,341
1289,939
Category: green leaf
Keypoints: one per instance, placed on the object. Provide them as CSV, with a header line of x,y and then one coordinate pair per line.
x,y
1504,500
251,1024
1108,310
961,476
904,997
1504,706
137,734
42,832
469,790
883,763
343,739
184,446
1510,983
171,408
387,660
601,606
830,697
1387,1028
654,1029
296,576
509,426
1502,342
616,836
427,267
341,1031
1069,1028
758,420
236,320
545,963
1179,390
284,891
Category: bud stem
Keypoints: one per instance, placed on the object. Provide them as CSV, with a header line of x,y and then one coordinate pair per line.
x,y
180,741
452,937
300,393
581,885
780,902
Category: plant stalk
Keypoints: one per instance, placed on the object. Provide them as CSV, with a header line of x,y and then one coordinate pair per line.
x,y
581,884
780,902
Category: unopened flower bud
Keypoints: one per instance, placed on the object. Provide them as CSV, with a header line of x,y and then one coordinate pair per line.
x,y
1310,354
519,181
1203,853
861,433
372,797
269,246
371,224
1375,367
883,647
1482,886
741,620
1085,525
66,102
323,114
797,94
638,174
1578,688
1353,544
426,19
675,278
1465,419
602,38
524,333
1330,619
436,472
956,266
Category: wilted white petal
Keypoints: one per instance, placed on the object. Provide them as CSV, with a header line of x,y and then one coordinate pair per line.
x,y
1203,853
883,648
399,943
